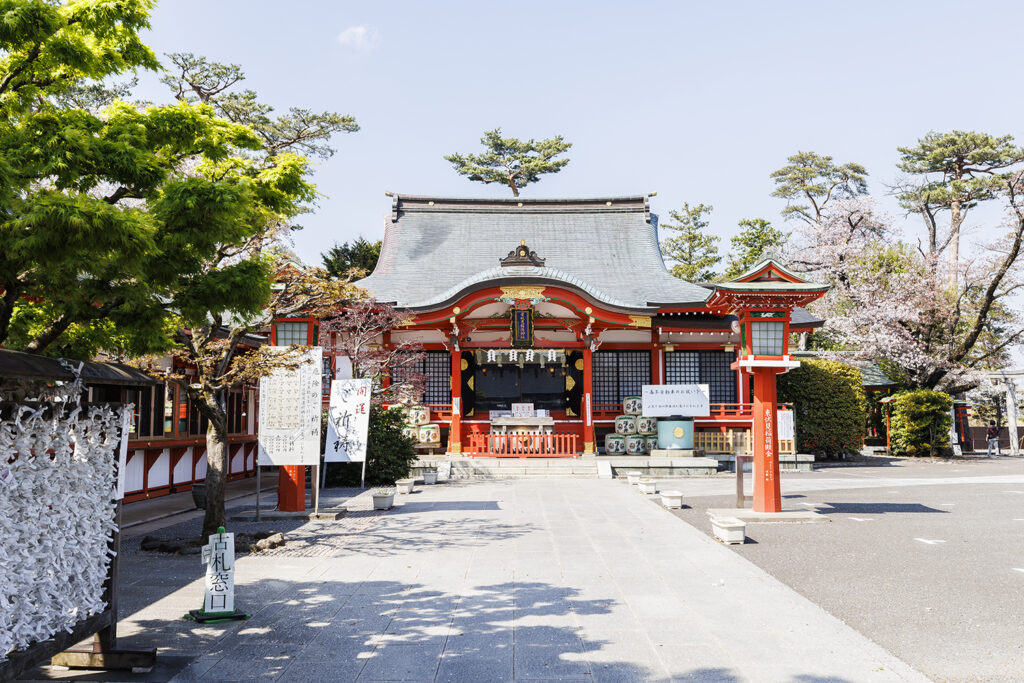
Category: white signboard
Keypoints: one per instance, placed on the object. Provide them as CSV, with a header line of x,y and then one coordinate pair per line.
x,y
348,421
785,422
683,400
522,410
289,430
219,558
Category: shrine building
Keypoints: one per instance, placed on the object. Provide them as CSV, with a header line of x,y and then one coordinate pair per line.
x,y
566,304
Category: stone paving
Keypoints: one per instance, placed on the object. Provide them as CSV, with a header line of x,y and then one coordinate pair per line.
x,y
528,579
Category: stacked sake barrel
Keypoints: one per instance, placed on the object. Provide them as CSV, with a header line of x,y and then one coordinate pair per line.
x,y
635,434
419,428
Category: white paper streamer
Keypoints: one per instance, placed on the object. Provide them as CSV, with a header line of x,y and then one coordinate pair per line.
x,y
56,518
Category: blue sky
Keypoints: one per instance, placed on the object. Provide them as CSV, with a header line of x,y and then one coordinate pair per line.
x,y
697,101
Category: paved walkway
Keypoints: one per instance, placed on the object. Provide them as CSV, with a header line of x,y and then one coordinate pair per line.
x,y
500,580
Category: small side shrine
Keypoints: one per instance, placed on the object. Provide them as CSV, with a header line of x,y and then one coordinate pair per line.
x,y
543,319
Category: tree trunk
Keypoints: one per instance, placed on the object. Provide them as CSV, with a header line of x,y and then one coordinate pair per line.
x,y
512,184
956,219
216,463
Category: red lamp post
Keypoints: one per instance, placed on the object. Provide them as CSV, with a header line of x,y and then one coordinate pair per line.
x,y
763,299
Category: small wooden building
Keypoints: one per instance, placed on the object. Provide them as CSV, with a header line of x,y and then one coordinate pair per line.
x,y
565,304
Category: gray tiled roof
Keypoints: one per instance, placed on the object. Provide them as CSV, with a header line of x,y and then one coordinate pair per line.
x,y
435,249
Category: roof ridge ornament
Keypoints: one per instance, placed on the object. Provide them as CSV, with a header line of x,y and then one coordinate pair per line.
x,y
522,256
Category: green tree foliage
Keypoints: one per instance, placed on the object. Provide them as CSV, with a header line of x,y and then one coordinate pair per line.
x,y
224,292
693,251
360,257
300,131
830,406
756,241
810,181
920,423
511,161
954,172
84,264
389,453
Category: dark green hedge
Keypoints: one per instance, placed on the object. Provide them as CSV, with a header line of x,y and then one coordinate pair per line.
x,y
829,405
389,454
920,423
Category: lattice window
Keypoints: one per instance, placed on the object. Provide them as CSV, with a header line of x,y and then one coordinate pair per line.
x,y
768,338
703,367
618,374
437,366
292,333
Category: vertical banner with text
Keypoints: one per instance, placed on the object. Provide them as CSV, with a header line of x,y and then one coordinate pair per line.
x,y
348,421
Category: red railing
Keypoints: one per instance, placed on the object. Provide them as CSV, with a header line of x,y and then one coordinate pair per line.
x,y
718,410
522,445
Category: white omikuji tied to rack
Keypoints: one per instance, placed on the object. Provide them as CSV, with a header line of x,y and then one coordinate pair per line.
x,y
57,516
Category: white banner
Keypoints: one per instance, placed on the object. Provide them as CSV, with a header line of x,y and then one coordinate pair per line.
x,y
348,421
683,400
289,429
785,422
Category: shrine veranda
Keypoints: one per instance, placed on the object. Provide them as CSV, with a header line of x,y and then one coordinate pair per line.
x,y
566,304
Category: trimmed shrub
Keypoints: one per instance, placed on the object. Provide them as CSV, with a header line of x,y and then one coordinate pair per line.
x,y
389,454
829,406
920,423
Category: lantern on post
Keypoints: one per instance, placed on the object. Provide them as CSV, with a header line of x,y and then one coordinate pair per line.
x,y
763,299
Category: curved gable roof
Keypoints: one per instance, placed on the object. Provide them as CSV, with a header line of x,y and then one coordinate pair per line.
x,y
607,247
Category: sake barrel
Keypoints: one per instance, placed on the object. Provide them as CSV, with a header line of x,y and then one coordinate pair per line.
x,y
635,444
614,444
651,443
675,434
430,434
632,405
419,415
411,432
646,425
625,424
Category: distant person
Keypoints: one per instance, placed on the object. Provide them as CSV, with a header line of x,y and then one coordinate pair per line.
x,y
992,434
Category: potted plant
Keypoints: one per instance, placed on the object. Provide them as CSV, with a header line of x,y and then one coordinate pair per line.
x,y
404,485
383,498
673,500
429,476
647,485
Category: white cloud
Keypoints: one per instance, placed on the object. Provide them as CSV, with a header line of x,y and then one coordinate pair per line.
x,y
360,37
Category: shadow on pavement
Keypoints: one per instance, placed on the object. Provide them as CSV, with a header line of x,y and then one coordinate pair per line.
x,y
874,508
379,630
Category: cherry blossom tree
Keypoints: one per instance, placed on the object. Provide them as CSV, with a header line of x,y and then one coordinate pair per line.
x,y
895,304
359,332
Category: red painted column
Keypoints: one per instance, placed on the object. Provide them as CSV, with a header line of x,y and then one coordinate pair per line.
x,y
587,404
655,358
291,488
455,427
767,495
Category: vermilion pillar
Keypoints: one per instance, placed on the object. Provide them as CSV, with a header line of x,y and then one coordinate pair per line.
x,y
767,495
587,402
655,358
455,428
291,488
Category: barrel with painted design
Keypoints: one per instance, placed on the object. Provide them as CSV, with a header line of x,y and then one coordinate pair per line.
x,y
614,444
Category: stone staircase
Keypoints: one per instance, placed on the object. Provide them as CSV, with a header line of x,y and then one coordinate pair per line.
x,y
503,468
